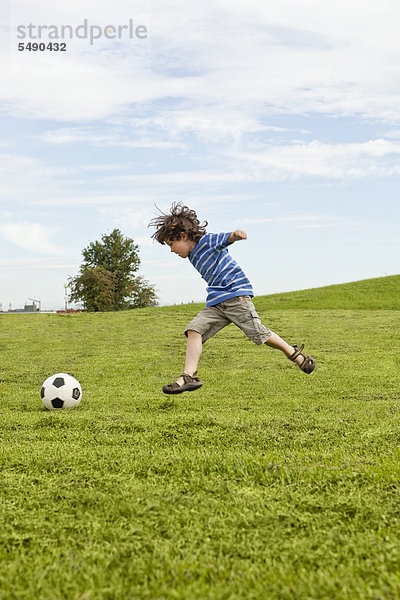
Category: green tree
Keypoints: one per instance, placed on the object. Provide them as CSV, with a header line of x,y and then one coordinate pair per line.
x,y
107,278
94,286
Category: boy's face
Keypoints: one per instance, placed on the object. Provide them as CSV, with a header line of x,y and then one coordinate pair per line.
x,y
181,247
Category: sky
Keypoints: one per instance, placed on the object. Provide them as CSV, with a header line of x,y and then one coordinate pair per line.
x,y
279,118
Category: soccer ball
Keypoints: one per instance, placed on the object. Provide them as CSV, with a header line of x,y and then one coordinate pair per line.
x,y
61,391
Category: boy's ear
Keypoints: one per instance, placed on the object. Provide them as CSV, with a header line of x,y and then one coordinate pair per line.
x,y
184,236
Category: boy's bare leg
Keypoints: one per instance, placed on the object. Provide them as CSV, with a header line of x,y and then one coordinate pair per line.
x,y
195,346
193,352
279,344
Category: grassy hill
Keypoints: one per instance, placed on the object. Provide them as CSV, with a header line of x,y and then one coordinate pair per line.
x,y
264,484
381,293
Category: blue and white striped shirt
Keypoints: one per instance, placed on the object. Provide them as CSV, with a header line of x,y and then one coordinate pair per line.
x,y
224,276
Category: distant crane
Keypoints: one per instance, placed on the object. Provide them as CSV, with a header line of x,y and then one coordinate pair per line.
x,y
38,301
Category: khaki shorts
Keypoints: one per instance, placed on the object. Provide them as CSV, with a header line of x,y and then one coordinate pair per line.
x,y
240,311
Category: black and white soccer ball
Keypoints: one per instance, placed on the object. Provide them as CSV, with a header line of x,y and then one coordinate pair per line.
x,y
61,391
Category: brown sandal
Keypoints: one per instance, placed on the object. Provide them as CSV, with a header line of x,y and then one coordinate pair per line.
x,y
308,364
192,382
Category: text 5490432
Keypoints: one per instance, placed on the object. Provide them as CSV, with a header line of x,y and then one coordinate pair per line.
x,y
42,47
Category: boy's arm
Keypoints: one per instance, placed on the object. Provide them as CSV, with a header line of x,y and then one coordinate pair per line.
x,y
237,235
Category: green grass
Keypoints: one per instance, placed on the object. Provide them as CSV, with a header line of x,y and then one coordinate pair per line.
x,y
382,293
265,484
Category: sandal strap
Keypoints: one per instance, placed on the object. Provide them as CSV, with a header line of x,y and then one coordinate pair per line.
x,y
308,364
297,352
173,385
188,378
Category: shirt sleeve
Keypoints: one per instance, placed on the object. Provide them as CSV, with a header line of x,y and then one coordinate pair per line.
x,y
219,241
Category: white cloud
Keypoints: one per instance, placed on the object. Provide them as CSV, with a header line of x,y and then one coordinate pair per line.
x,y
297,220
110,200
29,236
121,196
393,134
207,123
123,216
36,264
86,135
76,90
23,178
293,58
373,158
143,241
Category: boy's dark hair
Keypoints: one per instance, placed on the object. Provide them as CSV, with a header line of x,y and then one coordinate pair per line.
x,y
180,219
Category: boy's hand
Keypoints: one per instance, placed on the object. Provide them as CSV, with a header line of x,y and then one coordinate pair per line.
x,y
237,235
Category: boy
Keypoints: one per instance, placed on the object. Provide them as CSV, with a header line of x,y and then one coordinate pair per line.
x,y
229,292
